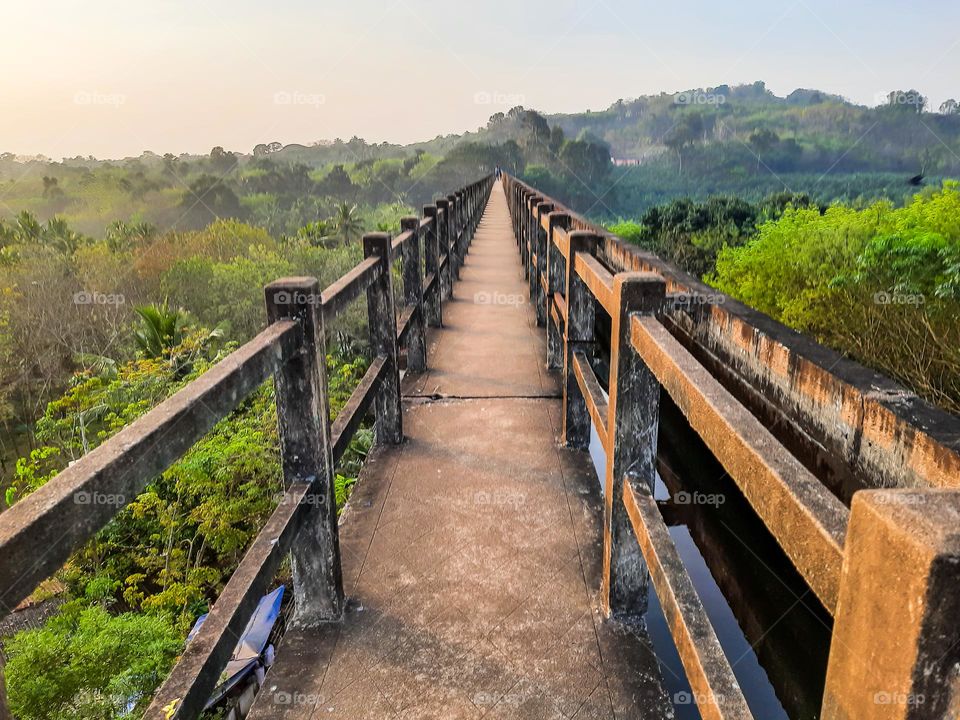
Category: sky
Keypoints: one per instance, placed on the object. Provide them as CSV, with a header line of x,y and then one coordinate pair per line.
x,y
113,79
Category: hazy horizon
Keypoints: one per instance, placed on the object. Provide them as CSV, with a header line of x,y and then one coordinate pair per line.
x,y
113,82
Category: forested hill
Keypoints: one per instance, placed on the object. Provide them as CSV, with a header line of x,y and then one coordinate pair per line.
x,y
737,141
721,130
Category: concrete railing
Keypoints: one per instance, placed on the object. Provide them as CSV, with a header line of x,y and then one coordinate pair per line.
x,y
888,569
38,534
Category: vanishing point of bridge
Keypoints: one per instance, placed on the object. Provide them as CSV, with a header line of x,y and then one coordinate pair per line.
x,y
480,568
471,552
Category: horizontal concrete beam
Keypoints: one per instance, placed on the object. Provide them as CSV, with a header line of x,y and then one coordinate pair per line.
x,y
805,518
593,394
193,679
598,279
38,533
350,417
715,687
339,294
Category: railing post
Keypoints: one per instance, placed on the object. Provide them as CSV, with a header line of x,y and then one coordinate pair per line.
x,y
474,211
556,277
478,200
303,417
581,314
431,261
515,214
525,232
632,426
413,296
540,303
532,245
464,229
522,229
454,239
470,201
443,235
895,650
382,321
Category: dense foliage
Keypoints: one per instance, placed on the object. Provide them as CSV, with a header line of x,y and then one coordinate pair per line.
x,y
166,556
690,234
89,664
95,332
880,283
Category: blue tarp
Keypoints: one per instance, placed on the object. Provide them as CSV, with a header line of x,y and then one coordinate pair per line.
x,y
252,642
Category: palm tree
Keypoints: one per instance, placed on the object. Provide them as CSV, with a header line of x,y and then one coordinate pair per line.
x,y
315,233
161,329
347,222
121,236
59,235
28,228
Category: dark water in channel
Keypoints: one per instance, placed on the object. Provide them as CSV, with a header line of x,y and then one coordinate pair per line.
x,y
772,628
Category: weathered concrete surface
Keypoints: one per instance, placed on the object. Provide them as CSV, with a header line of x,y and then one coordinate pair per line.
x,y
472,552
895,651
490,345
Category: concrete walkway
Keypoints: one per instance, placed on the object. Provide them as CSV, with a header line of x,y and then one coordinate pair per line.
x,y
471,552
